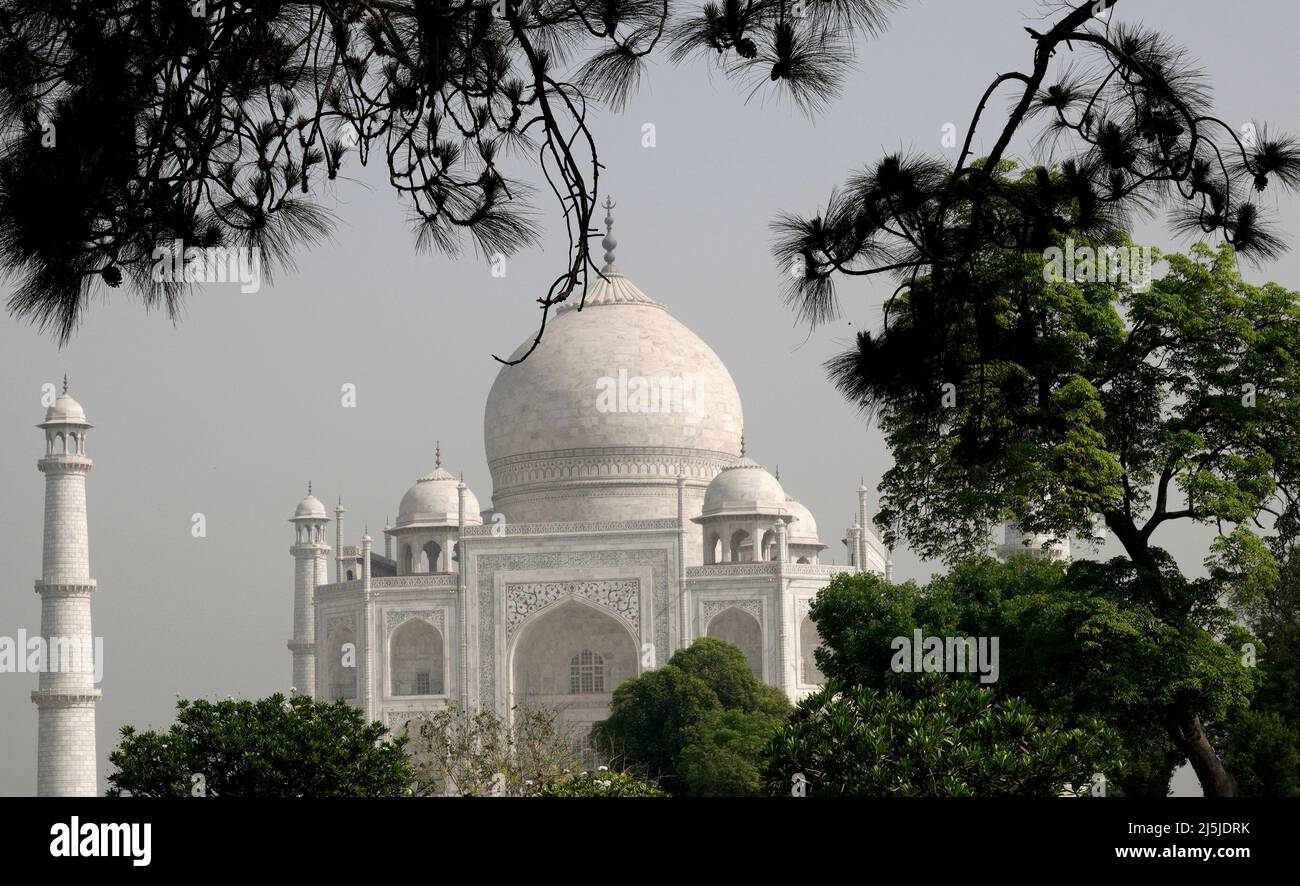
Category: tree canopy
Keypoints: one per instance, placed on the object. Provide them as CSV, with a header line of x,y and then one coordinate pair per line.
x,y
698,724
1077,642
272,747
1138,406
932,738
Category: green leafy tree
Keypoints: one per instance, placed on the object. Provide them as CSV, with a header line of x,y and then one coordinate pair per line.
x,y
1139,406
651,716
724,753
723,668
932,737
1262,745
648,719
1263,753
1082,641
272,747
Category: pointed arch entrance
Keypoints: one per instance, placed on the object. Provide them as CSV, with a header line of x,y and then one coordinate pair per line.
x,y
571,656
741,629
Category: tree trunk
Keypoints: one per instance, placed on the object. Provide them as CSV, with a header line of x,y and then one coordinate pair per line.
x,y
1184,725
1186,731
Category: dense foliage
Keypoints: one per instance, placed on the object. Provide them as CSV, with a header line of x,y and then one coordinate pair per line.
x,y
697,724
935,738
1261,746
1082,642
272,747
1115,407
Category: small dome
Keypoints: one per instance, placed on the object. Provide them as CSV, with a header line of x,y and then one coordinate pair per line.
x,y
803,528
434,500
310,507
65,410
744,488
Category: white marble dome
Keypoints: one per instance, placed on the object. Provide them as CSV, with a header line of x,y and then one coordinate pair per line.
x,y
549,402
745,487
65,410
803,528
619,397
310,507
434,500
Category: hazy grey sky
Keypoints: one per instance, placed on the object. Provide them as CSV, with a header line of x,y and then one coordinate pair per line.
x,y
232,411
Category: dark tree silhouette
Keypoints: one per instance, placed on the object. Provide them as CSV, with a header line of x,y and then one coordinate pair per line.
x,y
1070,402
125,124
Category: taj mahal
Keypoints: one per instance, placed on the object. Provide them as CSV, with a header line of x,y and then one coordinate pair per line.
x,y
626,520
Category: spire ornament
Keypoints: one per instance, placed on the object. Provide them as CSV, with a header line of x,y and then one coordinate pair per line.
x,y
437,455
65,382
610,242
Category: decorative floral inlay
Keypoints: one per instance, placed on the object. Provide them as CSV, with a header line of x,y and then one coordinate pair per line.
x,y
335,621
621,596
710,608
393,618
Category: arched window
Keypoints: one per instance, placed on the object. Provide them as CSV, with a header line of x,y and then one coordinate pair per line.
x,y
586,673
432,553
349,575
738,539
415,653
769,546
712,549
342,664
740,629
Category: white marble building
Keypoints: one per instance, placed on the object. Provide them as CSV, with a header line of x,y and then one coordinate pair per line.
x,y
626,520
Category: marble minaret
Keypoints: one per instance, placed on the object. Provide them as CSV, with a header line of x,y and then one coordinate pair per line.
x,y
66,695
309,560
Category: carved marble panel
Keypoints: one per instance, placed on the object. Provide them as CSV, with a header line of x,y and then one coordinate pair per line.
x,y
621,596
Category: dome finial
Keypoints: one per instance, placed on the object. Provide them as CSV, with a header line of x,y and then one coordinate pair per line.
x,y
610,243
777,472
742,442
65,382
309,487
437,455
